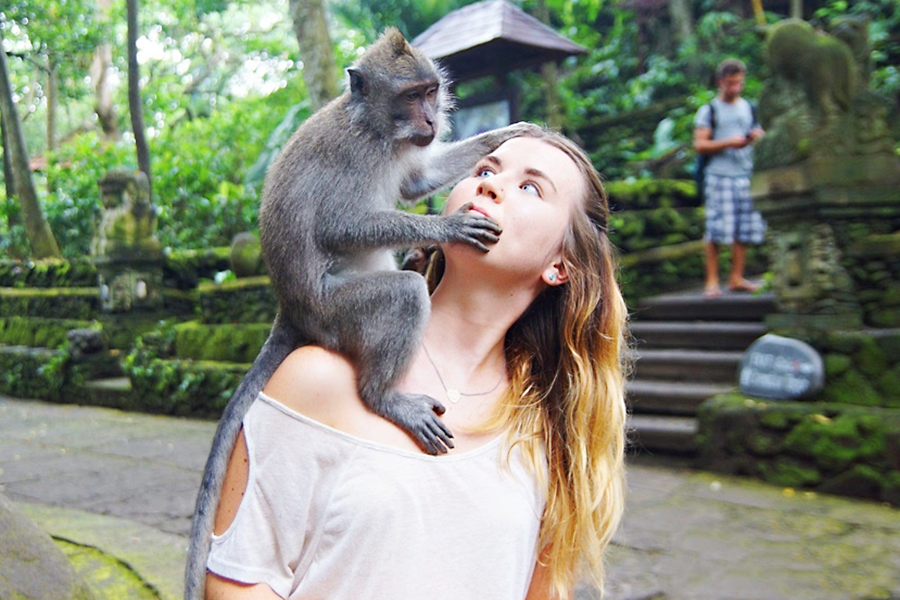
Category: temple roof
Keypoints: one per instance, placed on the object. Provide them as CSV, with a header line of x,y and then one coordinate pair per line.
x,y
493,36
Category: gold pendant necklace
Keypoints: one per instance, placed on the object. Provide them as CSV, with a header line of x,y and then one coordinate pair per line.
x,y
453,395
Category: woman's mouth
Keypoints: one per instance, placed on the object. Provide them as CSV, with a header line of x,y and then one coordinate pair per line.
x,y
481,211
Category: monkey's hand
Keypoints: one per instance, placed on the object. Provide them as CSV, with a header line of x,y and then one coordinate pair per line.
x,y
472,228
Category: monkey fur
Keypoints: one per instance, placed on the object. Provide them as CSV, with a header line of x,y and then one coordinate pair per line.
x,y
328,225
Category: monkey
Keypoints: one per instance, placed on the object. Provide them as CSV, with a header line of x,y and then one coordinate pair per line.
x,y
328,226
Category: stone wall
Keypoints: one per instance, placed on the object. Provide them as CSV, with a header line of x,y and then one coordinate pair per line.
x,y
826,447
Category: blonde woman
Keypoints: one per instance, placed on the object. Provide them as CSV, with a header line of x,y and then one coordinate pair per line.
x,y
524,347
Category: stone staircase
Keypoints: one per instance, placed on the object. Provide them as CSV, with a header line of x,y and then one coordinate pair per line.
x,y
687,349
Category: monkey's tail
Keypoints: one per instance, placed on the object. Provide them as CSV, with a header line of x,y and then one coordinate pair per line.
x,y
282,340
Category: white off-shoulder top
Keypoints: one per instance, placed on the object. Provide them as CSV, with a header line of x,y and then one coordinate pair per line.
x,y
327,515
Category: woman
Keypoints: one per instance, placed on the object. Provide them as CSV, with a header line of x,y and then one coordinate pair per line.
x,y
524,346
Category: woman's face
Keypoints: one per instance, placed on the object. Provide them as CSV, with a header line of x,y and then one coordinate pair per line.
x,y
530,188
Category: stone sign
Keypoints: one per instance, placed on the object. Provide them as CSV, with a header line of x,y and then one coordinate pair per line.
x,y
781,368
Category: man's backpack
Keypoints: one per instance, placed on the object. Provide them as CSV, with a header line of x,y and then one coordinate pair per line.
x,y
703,160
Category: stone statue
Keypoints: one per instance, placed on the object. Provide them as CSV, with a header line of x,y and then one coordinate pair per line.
x,y
125,249
816,103
128,221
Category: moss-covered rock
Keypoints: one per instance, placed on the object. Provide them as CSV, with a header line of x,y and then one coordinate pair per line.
x,y
228,343
31,566
74,303
51,272
852,388
248,300
828,447
183,269
37,332
246,255
836,364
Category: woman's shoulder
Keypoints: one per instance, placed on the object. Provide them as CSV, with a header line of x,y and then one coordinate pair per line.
x,y
315,382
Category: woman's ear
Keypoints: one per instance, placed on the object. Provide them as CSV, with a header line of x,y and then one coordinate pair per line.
x,y
555,274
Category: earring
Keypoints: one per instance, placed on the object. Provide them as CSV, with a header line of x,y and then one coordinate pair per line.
x,y
553,277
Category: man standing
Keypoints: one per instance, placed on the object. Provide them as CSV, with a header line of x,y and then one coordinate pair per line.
x,y
724,130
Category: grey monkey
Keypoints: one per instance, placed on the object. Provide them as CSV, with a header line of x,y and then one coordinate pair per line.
x,y
328,224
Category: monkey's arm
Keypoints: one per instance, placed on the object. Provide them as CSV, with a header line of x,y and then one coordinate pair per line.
x,y
395,228
449,161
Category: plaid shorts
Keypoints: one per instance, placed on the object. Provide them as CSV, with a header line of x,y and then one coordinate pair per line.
x,y
729,211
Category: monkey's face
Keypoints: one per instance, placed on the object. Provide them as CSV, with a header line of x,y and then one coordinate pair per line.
x,y
415,109
531,189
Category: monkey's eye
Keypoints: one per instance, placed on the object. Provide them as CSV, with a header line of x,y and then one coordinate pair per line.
x,y
432,92
413,96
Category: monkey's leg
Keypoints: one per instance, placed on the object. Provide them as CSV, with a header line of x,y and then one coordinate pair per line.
x,y
379,319
282,341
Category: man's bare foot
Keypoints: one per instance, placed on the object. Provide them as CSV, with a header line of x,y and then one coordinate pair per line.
x,y
742,285
712,290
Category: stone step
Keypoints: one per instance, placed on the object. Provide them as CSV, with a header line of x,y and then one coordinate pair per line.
x,y
727,335
113,392
679,364
665,435
687,306
670,397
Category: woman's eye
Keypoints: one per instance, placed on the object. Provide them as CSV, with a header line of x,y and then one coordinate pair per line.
x,y
483,172
532,188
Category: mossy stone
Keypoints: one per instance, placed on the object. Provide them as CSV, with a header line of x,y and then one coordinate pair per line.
x,y
843,342
890,490
246,255
853,388
791,473
890,344
860,480
836,364
886,317
870,358
889,385
775,419
31,566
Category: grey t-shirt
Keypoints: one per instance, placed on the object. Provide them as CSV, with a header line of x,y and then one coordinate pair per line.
x,y
731,119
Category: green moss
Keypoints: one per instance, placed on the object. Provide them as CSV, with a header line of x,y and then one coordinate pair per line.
x,y
775,419
76,272
835,364
789,473
889,385
38,332
247,300
75,303
183,269
106,576
229,343
852,388
870,358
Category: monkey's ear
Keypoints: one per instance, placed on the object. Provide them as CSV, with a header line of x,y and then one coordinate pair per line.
x,y
358,83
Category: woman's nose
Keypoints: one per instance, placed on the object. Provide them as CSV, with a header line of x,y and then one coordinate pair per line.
x,y
490,188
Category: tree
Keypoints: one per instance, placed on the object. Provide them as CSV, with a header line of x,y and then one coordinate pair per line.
x,y
316,51
135,105
101,66
43,244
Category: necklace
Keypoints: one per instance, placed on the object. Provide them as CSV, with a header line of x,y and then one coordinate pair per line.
x,y
453,394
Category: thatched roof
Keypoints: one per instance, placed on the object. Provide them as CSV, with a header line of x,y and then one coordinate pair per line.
x,y
493,36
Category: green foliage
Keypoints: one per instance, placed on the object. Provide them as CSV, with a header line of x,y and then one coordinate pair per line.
x,y
75,303
247,300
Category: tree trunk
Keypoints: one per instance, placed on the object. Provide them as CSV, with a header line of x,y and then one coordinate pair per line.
x,y
550,78
101,67
758,12
316,51
135,105
43,244
796,9
52,102
682,19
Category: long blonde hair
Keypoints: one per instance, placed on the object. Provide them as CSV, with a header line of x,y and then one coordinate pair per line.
x,y
565,401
